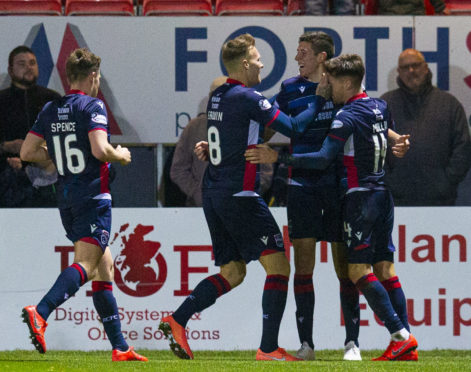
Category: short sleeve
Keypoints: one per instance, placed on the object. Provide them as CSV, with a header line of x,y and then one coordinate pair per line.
x,y
261,110
341,127
96,116
38,126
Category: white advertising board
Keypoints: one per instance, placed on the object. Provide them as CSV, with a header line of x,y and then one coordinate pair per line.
x,y
157,70
161,254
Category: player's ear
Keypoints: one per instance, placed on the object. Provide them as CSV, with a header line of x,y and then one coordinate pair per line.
x,y
321,57
245,63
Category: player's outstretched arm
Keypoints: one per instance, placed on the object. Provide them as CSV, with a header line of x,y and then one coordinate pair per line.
x,y
34,149
261,154
288,125
313,160
400,143
103,151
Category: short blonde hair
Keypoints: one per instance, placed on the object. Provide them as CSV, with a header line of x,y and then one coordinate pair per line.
x,y
235,49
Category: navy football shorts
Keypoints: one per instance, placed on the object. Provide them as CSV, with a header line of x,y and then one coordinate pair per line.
x,y
91,219
314,213
241,228
368,224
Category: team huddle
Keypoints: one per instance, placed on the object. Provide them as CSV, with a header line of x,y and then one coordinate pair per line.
x,y
339,142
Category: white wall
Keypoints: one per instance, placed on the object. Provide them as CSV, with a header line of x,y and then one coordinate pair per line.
x,y
435,282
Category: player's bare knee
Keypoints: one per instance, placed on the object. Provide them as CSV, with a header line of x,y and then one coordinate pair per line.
x,y
234,272
384,270
304,267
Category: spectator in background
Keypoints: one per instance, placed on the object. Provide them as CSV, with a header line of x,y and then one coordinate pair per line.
x,y
440,152
410,7
186,170
321,7
20,185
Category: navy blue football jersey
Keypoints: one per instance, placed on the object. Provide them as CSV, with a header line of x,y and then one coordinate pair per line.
x,y
296,94
237,116
64,124
362,125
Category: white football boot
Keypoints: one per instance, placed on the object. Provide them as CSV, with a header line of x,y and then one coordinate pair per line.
x,y
352,352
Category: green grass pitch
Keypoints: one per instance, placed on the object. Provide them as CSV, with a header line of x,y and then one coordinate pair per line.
x,y
241,361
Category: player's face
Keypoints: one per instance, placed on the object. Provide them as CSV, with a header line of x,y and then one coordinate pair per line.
x,y
338,89
254,67
24,70
95,84
307,59
412,70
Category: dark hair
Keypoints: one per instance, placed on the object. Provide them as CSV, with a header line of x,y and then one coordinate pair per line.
x,y
350,65
18,50
80,63
320,42
236,48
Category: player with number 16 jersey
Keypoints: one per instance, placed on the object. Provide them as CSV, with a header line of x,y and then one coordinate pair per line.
x,y
64,124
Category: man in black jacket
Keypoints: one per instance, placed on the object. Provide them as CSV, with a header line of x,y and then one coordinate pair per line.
x,y
21,185
440,151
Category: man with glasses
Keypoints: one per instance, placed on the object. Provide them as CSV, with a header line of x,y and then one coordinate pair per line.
x,y
440,152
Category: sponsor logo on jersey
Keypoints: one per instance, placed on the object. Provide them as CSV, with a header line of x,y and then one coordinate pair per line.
x,y
93,227
99,119
359,234
63,113
302,88
264,104
336,124
378,113
99,103
264,239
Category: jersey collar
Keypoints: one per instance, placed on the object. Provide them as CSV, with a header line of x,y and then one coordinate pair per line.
x,y
233,81
76,91
358,96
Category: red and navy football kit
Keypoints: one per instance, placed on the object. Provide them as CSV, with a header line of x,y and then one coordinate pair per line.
x,y
361,129
314,199
83,184
240,223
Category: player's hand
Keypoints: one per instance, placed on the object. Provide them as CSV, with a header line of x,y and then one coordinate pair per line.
x,y
15,163
324,89
401,146
202,150
262,154
125,155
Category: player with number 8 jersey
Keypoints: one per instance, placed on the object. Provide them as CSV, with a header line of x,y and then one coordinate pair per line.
x,y
241,226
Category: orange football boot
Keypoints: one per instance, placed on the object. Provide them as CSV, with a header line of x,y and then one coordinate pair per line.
x,y
279,355
176,335
37,326
127,356
396,349
413,356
